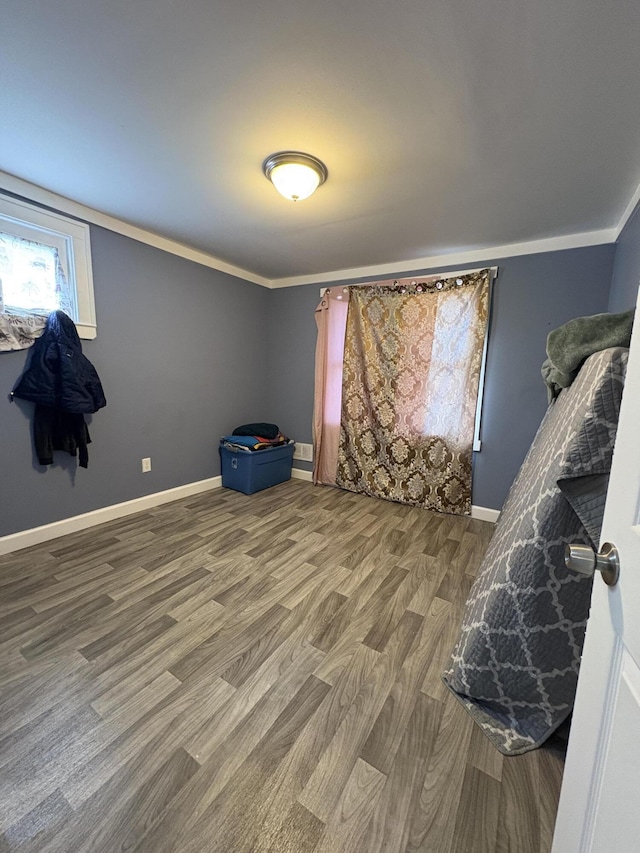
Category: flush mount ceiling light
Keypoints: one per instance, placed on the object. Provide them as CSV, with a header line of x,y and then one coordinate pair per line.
x,y
295,175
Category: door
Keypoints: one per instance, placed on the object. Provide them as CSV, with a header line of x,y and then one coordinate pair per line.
x,y
599,809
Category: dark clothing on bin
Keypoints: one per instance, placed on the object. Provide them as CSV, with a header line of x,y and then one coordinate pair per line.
x,y
269,431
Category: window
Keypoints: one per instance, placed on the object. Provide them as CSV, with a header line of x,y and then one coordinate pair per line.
x,y
45,264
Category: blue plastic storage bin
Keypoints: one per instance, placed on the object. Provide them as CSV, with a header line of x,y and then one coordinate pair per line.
x,y
250,471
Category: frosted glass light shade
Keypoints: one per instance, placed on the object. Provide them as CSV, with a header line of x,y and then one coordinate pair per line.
x,y
295,181
295,175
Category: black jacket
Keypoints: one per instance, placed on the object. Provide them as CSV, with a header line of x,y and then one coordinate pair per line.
x,y
59,375
64,386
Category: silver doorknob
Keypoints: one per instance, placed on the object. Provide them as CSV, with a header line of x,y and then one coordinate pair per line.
x,y
583,559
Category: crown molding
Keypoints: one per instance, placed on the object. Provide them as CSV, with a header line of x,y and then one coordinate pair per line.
x,y
32,192
470,256
38,194
628,212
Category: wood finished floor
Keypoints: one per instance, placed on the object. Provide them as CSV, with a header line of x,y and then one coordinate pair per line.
x,y
253,675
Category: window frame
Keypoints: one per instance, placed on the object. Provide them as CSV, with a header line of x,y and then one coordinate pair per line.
x,y
77,258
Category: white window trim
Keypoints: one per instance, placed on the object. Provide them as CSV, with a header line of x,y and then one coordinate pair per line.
x,y
77,234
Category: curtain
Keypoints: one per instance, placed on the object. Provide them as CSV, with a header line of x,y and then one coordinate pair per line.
x,y
412,361
20,329
331,319
32,284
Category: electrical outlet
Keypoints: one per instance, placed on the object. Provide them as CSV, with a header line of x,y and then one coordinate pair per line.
x,y
304,452
146,464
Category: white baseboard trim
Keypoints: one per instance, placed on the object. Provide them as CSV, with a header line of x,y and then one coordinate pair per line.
x,y
37,535
300,474
483,513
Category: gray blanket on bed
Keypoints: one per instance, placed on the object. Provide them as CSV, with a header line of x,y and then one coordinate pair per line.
x,y
515,667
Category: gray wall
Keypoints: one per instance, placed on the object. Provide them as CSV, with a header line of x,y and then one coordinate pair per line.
x,y
532,295
626,267
186,353
180,351
292,346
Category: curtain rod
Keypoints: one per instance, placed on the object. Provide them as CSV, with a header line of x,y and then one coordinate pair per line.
x,y
429,277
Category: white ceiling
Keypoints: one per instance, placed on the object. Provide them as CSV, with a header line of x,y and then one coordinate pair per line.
x,y
446,125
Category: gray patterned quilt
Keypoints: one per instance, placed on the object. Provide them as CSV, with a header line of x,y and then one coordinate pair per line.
x,y
515,666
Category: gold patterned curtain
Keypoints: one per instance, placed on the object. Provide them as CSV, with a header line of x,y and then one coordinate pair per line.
x,y
412,360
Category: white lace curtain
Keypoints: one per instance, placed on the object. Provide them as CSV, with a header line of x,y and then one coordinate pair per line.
x,y
32,277
32,284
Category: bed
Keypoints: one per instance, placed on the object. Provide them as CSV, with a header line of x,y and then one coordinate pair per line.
x,y
515,666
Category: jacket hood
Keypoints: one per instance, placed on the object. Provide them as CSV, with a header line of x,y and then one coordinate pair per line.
x,y
59,375
63,329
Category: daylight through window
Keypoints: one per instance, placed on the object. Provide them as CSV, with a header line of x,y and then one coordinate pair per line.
x,y
45,264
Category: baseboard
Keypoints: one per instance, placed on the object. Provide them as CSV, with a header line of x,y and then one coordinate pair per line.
x,y
483,513
300,474
37,535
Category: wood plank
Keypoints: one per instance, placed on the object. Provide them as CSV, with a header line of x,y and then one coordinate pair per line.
x,y
519,810
259,697
354,809
445,627
224,813
299,832
325,785
302,759
477,817
137,812
378,635
484,756
216,653
388,829
39,826
551,768
433,821
389,729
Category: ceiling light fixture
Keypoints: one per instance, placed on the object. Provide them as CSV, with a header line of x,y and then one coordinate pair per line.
x,y
295,175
